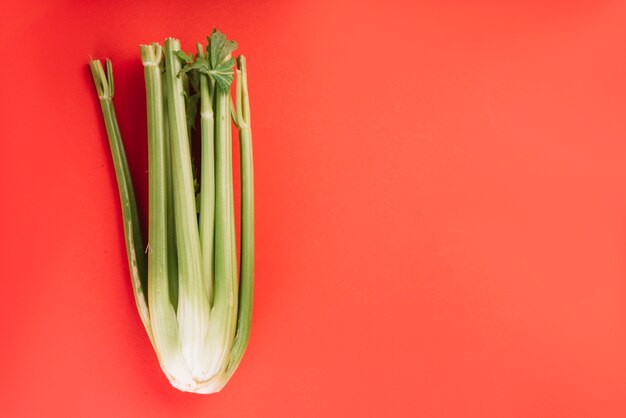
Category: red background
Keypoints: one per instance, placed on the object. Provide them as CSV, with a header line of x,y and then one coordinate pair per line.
x,y
441,209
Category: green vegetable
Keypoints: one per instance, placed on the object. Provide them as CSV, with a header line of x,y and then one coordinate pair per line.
x,y
195,305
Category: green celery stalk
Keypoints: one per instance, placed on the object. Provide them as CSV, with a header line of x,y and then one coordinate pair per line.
x,y
130,214
223,314
193,304
207,179
162,313
244,318
172,256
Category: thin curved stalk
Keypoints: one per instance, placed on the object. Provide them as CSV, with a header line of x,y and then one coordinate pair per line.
x,y
130,214
246,284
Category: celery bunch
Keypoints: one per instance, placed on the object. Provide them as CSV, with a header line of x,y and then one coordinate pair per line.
x,y
195,305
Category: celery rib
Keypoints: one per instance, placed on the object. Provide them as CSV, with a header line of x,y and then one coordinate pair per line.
x,y
162,313
130,214
246,284
220,333
207,180
193,306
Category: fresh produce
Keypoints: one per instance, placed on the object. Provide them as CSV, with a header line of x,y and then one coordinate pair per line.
x,y
194,301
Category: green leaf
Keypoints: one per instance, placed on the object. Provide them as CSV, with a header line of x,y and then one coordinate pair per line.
x,y
219,48
217,67
221,69
201,65
184,57
223,74
191,103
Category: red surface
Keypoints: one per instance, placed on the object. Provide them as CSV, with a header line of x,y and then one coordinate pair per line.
x,y
441,210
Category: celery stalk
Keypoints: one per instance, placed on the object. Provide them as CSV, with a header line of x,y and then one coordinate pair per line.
x,y
162,313
193,304
244,319
172,257
130,214
207,179
220,331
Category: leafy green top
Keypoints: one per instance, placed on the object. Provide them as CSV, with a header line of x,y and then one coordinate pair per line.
x,y
215,64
